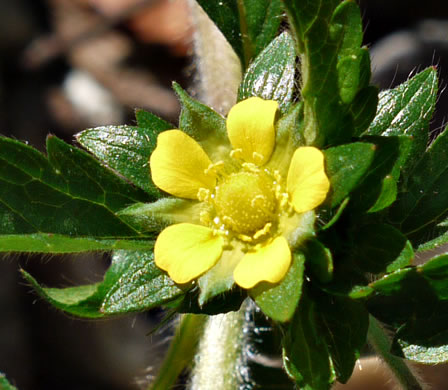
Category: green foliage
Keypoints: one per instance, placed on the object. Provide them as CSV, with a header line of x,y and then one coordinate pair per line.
x,y
344,325
51,200
335,70
420,318
4,384
287,291
424,201
306,356
248,25
132,283
346,165
271,75
388,198
126,149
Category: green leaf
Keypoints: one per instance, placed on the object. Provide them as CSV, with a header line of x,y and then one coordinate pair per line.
x,y
407,110
319,260
374,192
435,271
248,25
424,340
329,35
127,149
132,283
288,291
440,240
345,166
345,324
69,193
381,248
57,243
305,352
424,337
396,301
140,287
4,383
424,202
363,109
271,75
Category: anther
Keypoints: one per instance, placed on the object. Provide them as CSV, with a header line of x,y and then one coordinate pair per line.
x,y
263,231
203,194
214,168
249,167
258,158
245,238
204,217
237,154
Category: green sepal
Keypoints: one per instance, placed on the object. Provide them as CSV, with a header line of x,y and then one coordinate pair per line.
x,y
219,278
200,121
132,283
344,324
319,260
271,75
345,166
127,149
380,248
305,352
288,292
153,217
248,25
67,193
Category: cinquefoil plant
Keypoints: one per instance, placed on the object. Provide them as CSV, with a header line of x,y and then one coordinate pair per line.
x,y
303,207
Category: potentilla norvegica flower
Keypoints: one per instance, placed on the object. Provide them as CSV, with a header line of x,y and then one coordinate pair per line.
x,y
252,199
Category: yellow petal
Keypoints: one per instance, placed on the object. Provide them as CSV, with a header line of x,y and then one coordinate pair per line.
x,y
178,165
186,251
269,263
250,126
307,182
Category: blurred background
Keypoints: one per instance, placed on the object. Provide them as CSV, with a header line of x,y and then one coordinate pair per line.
x,y
67,65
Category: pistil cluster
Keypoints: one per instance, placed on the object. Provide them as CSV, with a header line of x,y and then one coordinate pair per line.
x,y
246,202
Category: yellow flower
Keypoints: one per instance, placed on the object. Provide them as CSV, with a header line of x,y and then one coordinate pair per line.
x,y
251,198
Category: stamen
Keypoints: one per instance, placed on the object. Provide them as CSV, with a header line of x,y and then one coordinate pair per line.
x,y
214,168
245,238
263,231
203,194
251,167
204,217
258,158
237,154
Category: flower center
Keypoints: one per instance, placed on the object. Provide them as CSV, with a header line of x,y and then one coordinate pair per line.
x,y
245,201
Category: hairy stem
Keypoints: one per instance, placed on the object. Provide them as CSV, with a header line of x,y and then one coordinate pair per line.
x,y
219,358
181,351
379,340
